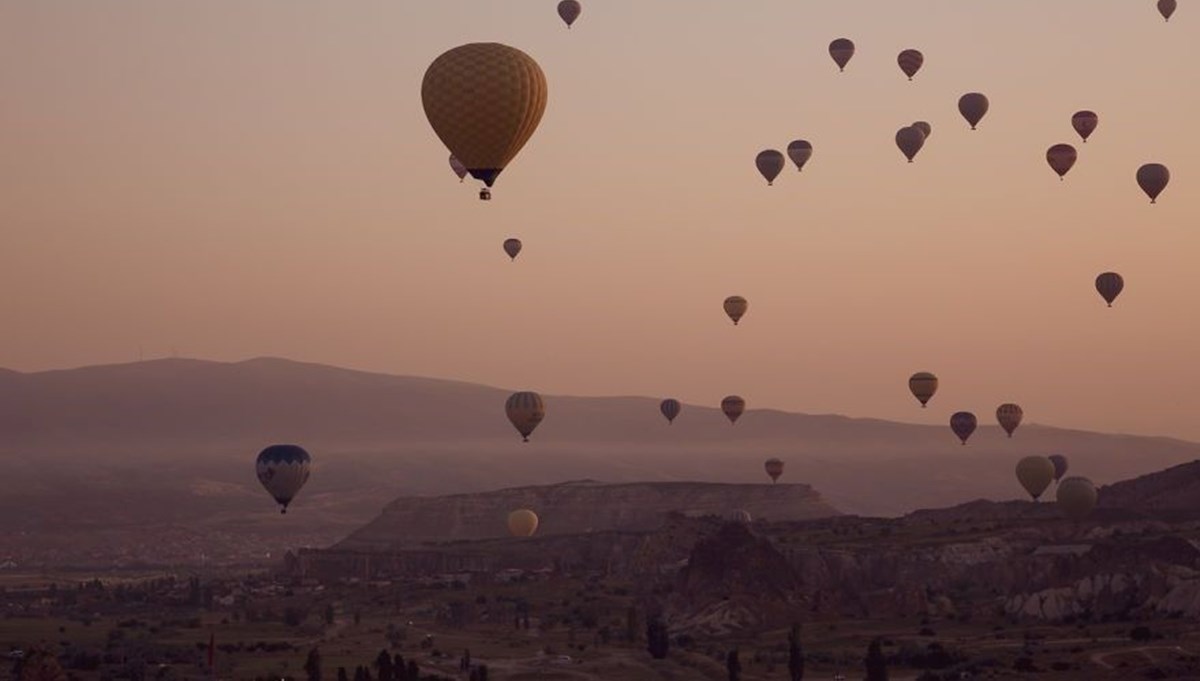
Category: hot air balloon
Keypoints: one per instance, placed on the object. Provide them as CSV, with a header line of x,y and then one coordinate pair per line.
x,y
923,386
1009,415
525,410
735,307
739,516
283,470
1153,178
841,50
800,151
733,406
522,523
1035,473
512,247
973,106
1109,285
910,140
963,424
484,100
1076,497
569,11
770,164
1061,157
1166,8
924,127
1085,123
670,408
774,468
458,168
1060,465
910,62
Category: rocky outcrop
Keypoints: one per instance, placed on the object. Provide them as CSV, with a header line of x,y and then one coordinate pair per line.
x,y
578,508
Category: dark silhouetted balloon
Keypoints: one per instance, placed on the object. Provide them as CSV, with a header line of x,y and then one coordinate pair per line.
x,y
924,127
1166,8
733,406
282,470
1085,123
735,307
1061,157
770,164
1009,415
973,106
841,50
1153,179
963,423
910,140
512,247
774,468
670,408
910,62
525,410
1060,465
1109,286
1035,473
923,386
569,11
800,151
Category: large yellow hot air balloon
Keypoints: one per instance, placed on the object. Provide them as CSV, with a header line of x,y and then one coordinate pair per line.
x,y
522,523
774,468
1076,496
484,100
923,386
525,410
1035,473
735,307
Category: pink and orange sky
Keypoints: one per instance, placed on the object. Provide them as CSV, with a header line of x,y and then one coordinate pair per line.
x,y
231,180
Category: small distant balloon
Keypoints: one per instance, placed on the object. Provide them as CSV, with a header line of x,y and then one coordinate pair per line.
x,y
458,168
569,11
924,127
769,163
923,386
910,62
670,408
841,50
282,470
963,423
512,247
733,406
1061,158
1076,497
1085,123
1153,179
1035,473
522,523
800,151
525,411
1009,415
1166,8
735,307
774,468
910,140
973,106
1109,285
1060,465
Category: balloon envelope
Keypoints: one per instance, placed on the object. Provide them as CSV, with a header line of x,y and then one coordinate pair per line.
x,y
1009,415
484,100
1035,473
522,523
774,468
910,140
459,169
569,11
733,406
963,423
1085,123
800,151
910,62
1153,179
1166,8
282,470
1076,497
525,411
735,307
1109,285
841,50
1060,465
923,385
769,163
924,127
670,408
1061,157
973,106
512,247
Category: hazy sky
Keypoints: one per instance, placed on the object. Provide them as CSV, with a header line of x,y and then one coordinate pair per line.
x,y
235,179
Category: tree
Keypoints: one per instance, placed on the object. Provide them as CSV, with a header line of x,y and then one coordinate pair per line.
x,y
360,674
312,665
383,663
414,672
399,670
657,641
342,676
733,665
875,662
795,655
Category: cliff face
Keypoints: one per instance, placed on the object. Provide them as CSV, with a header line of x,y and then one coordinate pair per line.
x,y
577,508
